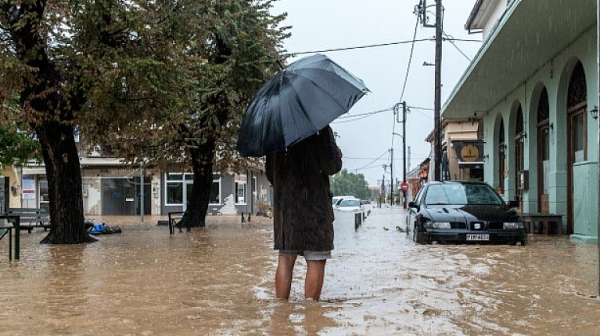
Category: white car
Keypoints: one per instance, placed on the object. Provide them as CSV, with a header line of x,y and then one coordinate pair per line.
x,y
349,205
336,200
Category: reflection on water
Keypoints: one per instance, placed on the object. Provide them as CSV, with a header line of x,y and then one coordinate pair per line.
x,y
218,281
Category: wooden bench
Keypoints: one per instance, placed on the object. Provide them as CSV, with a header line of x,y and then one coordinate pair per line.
x,y
31,218
175,221
550,223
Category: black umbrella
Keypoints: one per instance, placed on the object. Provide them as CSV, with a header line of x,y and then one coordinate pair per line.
x,y
296,103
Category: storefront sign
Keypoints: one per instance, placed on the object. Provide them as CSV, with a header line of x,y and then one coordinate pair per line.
x,y
469,152
28,187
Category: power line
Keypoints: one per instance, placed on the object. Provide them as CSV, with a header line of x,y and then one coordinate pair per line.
x,y
375,46
455,46
365,113
359,47
412,48
372,161
420,108
356,117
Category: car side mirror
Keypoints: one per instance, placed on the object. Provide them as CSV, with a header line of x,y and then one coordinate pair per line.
x,y
413,205
513,204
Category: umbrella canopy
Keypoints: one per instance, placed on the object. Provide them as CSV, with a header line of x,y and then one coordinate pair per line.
x,y
296,103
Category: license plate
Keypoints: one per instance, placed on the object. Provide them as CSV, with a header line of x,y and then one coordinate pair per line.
x,y
473,237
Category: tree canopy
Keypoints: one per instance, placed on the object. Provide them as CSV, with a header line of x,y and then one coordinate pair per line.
x,y
174,75
345,183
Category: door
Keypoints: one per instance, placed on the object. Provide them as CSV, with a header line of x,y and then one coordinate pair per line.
x,y
576,142
543,166
44,199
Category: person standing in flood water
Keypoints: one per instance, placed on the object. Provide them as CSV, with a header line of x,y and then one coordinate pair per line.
x,y
303,215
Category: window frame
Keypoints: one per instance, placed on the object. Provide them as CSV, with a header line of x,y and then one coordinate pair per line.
x,y
239,181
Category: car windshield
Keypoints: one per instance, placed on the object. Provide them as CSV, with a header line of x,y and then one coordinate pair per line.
x,y
350,203
462,194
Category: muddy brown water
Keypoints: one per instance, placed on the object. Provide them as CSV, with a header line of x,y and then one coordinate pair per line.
x,y
219,281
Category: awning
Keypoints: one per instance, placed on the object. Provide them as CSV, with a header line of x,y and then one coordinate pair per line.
x,y
528,35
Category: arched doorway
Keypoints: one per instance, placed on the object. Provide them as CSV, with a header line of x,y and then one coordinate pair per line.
x,y
543,151
519,163
501,158
576,131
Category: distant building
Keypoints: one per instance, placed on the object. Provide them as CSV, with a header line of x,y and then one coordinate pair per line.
x,y
112,188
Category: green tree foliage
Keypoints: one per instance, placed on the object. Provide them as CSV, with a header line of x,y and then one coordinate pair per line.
x,y
228,52
345,183
16,148
107,65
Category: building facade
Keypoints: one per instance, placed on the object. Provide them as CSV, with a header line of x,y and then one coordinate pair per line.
x,y
111,188
534,87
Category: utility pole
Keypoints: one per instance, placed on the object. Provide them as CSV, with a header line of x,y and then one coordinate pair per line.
x,y
408,168
404,150
438,90
421,10
392,176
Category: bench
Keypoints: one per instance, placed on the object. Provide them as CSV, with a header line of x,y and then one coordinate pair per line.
x,y
175,221
4,230
31,217
550,223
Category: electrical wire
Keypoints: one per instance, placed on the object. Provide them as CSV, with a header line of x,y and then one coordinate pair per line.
x,y
376,46
372,161
412,49
420,108
365,113
355,117
455,46
359,47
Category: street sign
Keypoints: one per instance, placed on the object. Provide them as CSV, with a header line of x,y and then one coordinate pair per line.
x,y
404,186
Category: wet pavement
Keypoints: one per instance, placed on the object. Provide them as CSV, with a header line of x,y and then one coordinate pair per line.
x,y
219,281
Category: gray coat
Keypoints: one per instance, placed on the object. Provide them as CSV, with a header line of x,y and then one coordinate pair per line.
x,y
303,216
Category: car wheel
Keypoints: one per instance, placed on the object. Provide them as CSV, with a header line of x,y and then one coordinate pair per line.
x,y
418,236
414,232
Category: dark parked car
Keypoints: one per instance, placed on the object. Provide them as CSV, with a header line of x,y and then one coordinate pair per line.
x,y
463,212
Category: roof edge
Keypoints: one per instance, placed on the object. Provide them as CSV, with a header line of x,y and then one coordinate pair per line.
x,y
484,47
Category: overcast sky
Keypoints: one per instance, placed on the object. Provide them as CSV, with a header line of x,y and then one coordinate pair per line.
x,y
326,24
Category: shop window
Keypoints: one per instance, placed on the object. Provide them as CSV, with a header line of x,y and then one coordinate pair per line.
x,y
174,189
215,190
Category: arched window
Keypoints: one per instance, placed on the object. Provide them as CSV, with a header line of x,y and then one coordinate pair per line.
x,y
577,101
577,87
543,112
543,151
519,153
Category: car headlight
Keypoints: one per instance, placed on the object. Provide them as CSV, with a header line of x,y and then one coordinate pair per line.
x,y
513,225
437,225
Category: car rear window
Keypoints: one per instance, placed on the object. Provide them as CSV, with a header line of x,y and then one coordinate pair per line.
x,y
349,203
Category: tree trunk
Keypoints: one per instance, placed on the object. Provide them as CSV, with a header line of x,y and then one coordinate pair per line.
x,y
64,184
202,164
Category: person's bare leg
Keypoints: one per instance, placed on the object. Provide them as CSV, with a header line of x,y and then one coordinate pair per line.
x,y
283,276
315,273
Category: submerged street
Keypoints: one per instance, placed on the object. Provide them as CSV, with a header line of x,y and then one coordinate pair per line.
x,y
219,281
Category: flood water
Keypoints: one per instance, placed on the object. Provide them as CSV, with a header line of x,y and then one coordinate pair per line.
x,y
219,281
